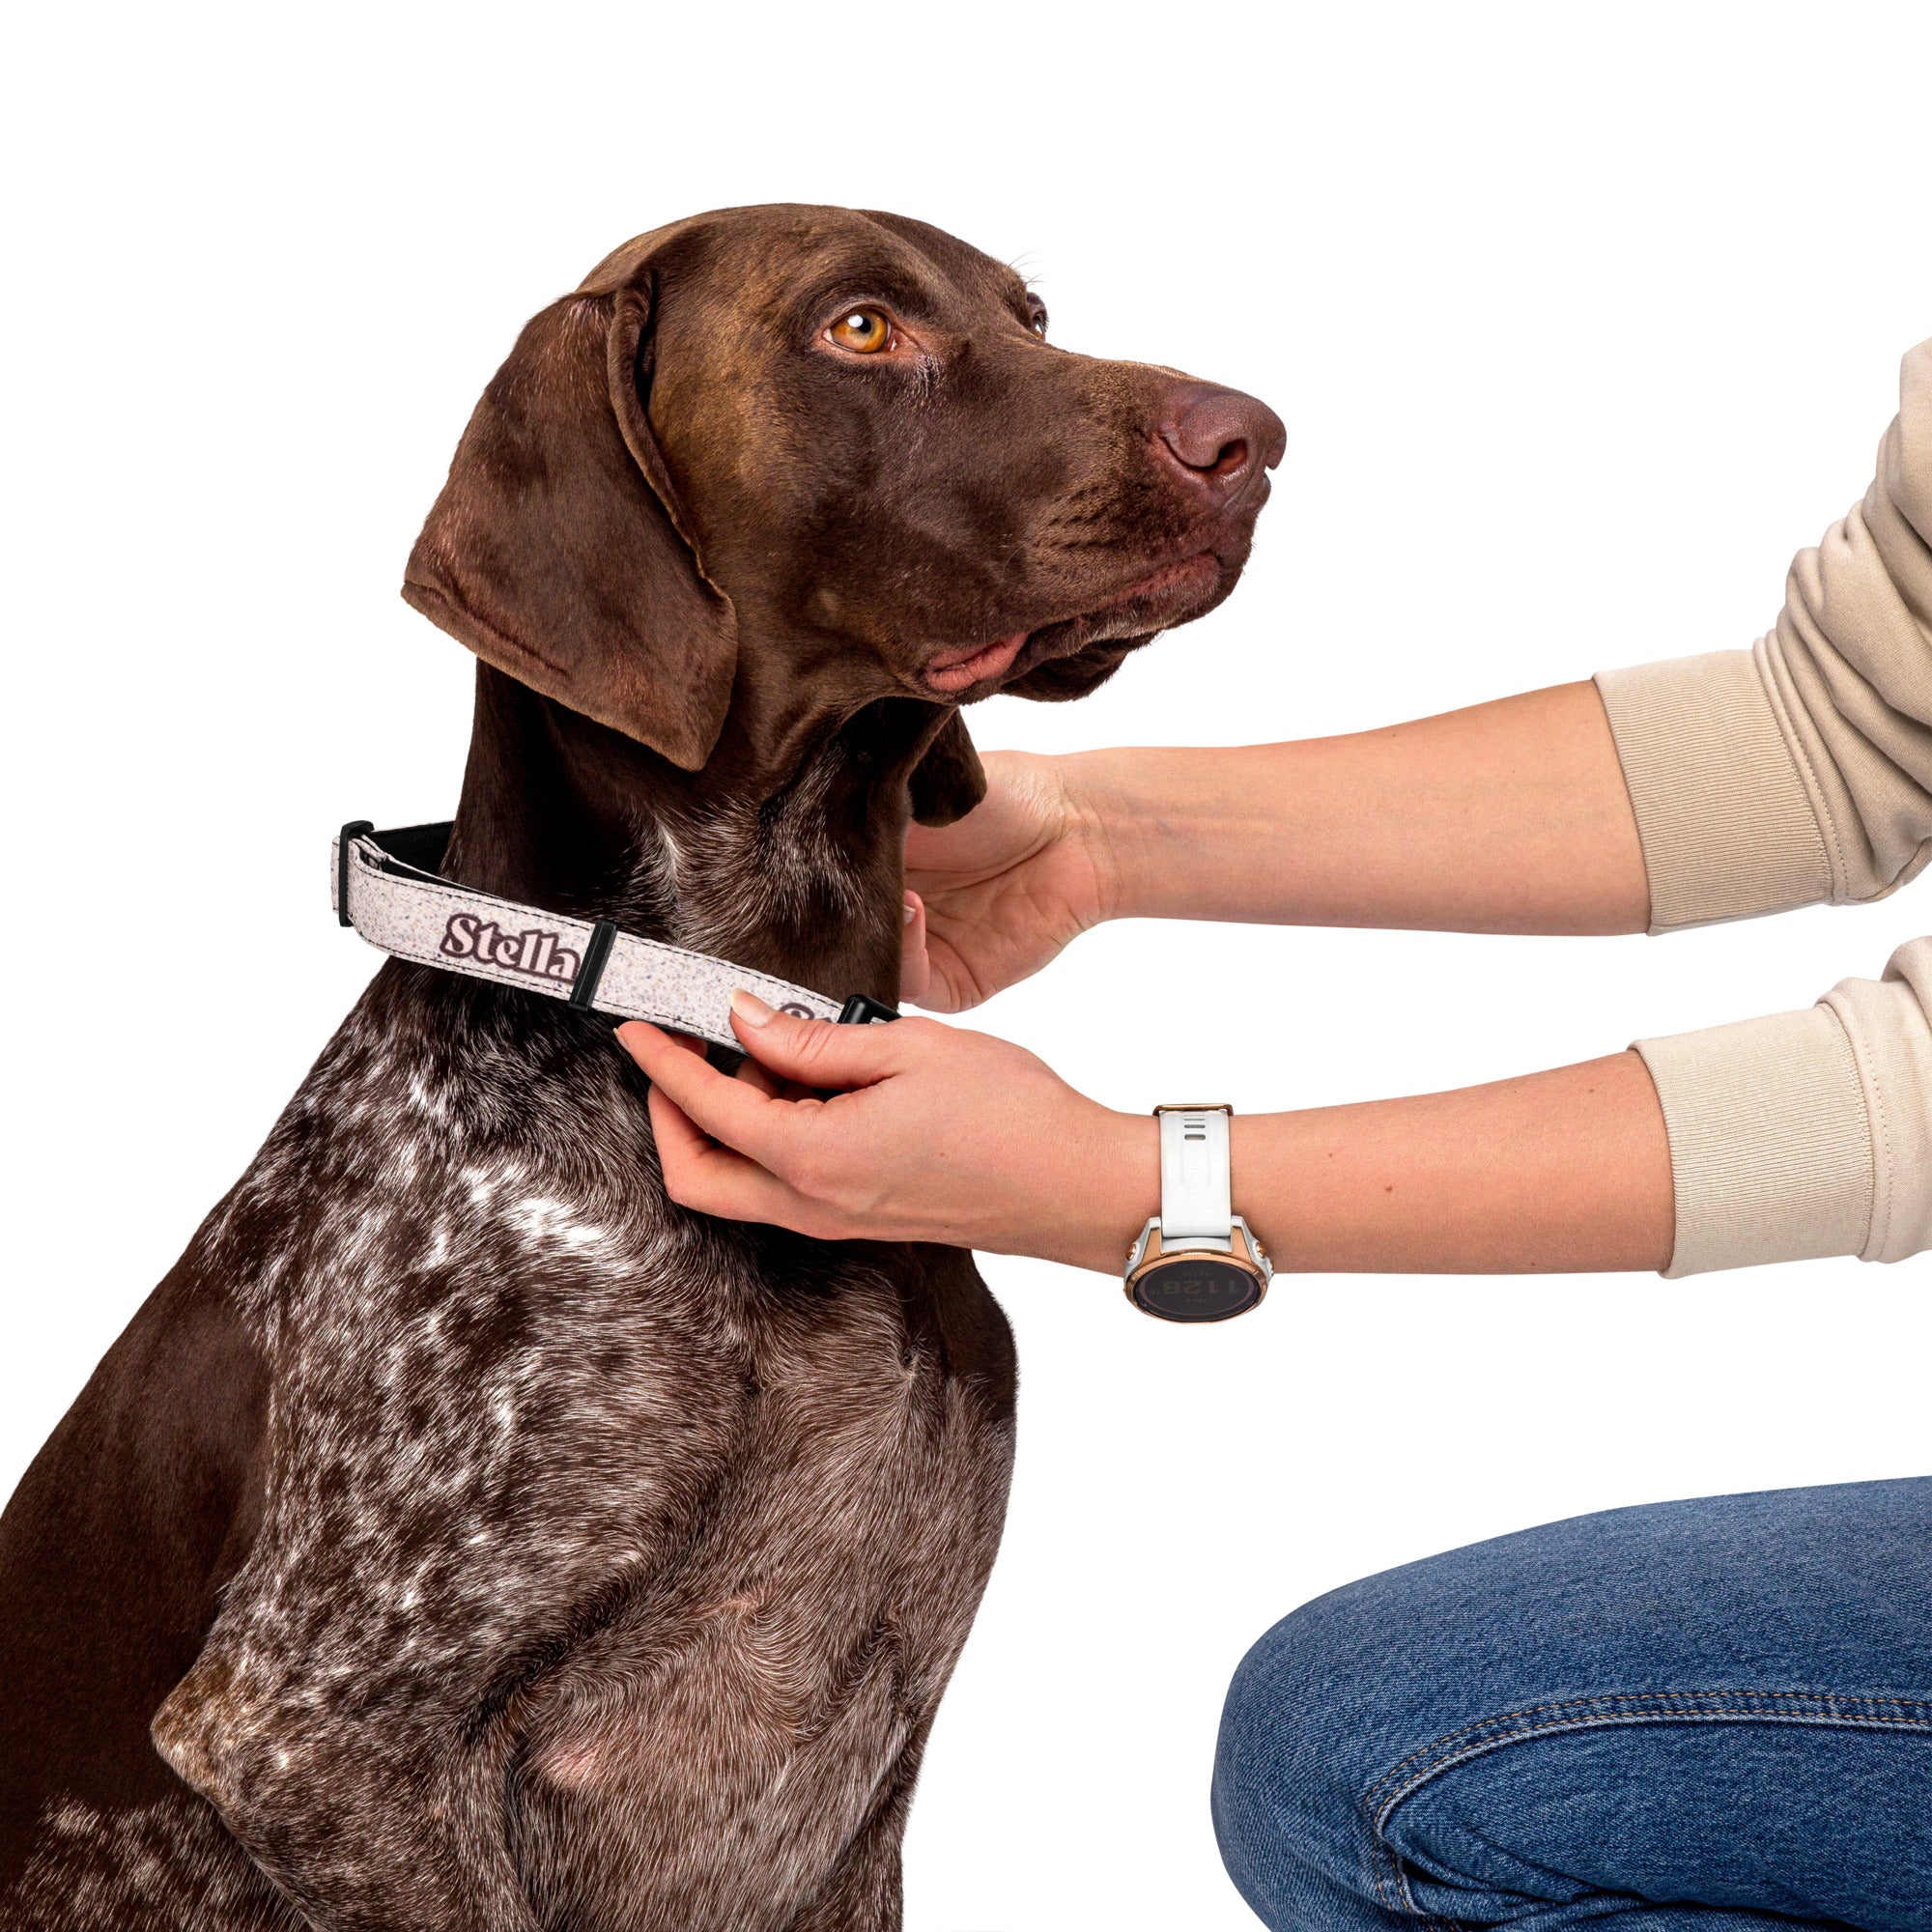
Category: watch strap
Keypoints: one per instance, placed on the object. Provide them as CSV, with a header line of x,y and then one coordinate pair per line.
x,y
1197,1208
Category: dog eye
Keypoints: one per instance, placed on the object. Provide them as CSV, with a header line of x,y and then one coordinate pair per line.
x,y
864,330
1037,313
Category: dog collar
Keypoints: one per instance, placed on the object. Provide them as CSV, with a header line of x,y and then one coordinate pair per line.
x,y
386,886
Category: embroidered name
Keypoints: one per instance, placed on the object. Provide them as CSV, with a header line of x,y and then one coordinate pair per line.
x,y
536,953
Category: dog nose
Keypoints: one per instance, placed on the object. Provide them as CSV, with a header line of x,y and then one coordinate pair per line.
x,y
1221,437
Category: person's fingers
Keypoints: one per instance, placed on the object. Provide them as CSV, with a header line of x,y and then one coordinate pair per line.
x,y
681,1141
950,987
915,968
709,1178
816,1053
733,1111
766,1082
748,1069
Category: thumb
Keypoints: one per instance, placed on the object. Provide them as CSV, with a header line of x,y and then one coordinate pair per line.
x,y
815,1053
915,966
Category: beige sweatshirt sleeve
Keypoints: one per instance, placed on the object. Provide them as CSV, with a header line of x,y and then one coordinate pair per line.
x,y
1798,771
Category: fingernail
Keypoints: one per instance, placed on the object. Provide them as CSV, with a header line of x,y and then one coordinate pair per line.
x,y
749,1008
910,910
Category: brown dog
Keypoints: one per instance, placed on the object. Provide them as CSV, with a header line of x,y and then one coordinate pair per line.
x,y
463,1536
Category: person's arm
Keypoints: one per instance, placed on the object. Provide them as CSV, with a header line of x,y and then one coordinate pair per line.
x,y
1511,816
1803,1134
944,1135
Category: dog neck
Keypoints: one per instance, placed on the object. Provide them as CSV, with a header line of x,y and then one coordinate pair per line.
x,y
798,872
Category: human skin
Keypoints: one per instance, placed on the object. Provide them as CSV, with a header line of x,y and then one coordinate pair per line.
x,y
1505,817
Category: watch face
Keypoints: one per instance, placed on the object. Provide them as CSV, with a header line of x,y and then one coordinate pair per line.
x,y
1196,1288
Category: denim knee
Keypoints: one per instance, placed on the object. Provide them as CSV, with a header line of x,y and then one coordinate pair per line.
x,y
1330,1799
1306,1717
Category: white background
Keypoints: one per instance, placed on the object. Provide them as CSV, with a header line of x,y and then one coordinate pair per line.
x,y
1582,320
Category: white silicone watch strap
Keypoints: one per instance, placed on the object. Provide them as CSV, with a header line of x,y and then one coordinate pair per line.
x,y
1197,1208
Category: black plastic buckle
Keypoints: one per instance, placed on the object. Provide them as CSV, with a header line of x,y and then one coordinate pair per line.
x,y
590,968
862,1009
356,828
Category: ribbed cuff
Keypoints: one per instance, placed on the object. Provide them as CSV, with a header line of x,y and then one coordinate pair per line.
x,y
1890,1025
1770,1146
1727,829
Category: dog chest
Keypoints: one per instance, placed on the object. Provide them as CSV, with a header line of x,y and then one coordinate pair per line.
x,y
735,1731
683,1524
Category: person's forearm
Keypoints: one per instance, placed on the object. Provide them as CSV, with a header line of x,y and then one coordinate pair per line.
x,y
1563,1171
922,1132
1507,818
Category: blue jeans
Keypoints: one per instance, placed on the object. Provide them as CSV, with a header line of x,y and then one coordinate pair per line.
x,y
1700,1717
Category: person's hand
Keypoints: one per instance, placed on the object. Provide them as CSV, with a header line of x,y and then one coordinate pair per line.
x,y
940,1135
993,897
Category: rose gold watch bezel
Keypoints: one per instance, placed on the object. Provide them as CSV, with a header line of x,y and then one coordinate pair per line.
x,y
1240,1255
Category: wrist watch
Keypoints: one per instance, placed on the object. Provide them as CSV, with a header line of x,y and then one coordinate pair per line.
x,y
1196,1261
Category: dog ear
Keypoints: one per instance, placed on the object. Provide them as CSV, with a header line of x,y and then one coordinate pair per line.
x,y
558,551
948,780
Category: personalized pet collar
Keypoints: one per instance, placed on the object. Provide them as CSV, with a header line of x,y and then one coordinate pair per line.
x,y
386,886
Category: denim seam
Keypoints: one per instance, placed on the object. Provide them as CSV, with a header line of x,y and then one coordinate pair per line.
x,y
1829,1710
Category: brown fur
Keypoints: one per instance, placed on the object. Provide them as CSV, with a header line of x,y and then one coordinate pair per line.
x,y
463,1536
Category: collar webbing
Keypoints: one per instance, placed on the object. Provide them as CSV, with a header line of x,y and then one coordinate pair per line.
x,y
386,886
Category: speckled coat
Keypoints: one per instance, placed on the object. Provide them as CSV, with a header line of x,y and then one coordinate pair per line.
x,y
582,1523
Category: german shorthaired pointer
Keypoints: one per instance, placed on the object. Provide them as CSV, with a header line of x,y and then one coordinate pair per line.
x,y
462,1536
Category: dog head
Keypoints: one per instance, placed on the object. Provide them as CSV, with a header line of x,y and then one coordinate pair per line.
x,y
776,464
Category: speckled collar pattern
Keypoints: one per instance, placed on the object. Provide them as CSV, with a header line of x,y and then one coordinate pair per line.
x,y
384,884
